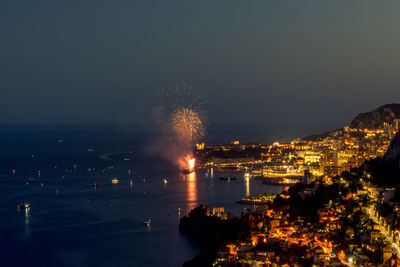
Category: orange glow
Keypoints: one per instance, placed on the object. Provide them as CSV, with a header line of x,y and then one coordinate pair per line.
x,y
191,190
342,256
191,163
232,248
200,146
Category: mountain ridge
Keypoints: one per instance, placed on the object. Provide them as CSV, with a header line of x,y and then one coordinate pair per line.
x,y
375,118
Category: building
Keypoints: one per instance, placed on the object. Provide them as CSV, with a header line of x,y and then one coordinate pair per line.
x,y
396,124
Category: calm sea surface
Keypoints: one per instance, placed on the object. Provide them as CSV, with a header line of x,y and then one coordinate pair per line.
x,y
71,223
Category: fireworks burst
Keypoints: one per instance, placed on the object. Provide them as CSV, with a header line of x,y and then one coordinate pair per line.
x,y
187,124
181,120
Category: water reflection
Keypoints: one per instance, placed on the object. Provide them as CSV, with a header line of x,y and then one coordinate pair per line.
x,y
26,216
247,185
27,228
191,190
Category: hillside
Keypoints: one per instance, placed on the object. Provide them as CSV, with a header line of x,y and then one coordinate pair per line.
x,y
393,151
377,117
385,171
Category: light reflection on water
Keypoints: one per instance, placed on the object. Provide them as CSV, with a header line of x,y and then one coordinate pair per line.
x,y
27,228
191,190
247,185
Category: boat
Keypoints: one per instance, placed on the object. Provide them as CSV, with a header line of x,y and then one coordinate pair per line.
x,y
24,206
115,180
147,222
187,171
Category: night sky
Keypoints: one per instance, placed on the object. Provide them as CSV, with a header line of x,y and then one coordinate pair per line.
x,y
255,61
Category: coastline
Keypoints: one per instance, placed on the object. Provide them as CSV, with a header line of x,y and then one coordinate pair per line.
x,y
333,178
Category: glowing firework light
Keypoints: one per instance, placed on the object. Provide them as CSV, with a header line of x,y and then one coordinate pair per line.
x,y
191,164
187,124
187,163
181,120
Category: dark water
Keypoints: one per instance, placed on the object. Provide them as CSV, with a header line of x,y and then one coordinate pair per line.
x,y
71,223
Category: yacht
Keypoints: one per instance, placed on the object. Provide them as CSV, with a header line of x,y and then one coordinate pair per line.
x,y
24,206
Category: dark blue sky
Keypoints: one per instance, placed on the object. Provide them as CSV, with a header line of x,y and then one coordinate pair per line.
x,y
255,61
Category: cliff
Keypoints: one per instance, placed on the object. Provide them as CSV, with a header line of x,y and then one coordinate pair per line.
x,y
377,117
393,151
385,171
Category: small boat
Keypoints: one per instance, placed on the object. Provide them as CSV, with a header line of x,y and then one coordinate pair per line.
x,y
115,180
24,206
187,171
147,223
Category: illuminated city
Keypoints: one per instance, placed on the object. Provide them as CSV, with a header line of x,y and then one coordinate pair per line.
x,y
199,133
336,209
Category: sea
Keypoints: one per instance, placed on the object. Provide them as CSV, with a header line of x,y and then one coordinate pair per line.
x,y
73,223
